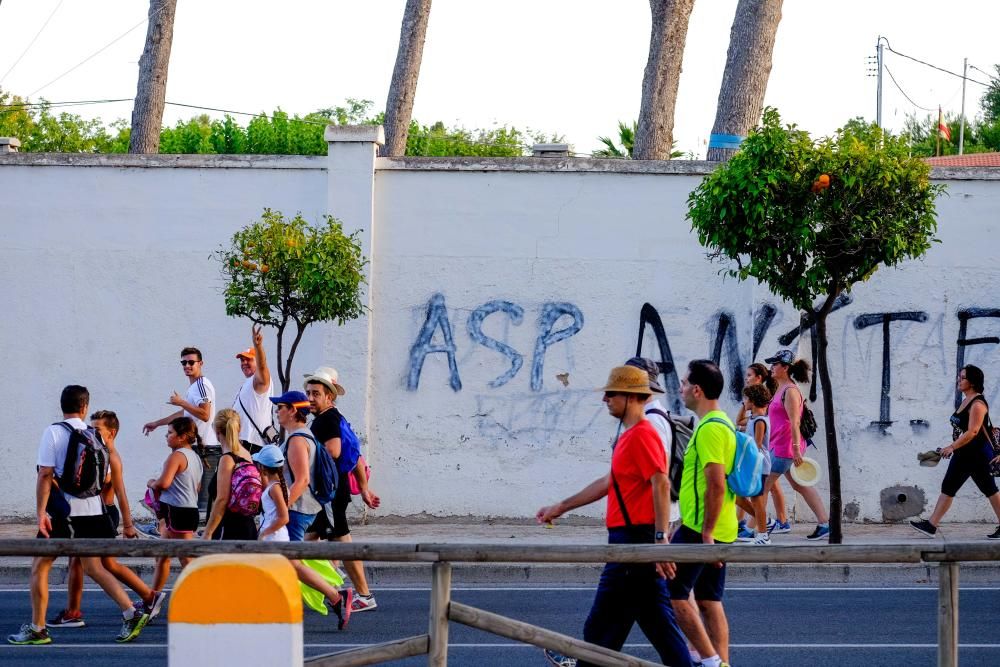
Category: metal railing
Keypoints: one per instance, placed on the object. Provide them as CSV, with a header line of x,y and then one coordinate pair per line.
x,y
946,555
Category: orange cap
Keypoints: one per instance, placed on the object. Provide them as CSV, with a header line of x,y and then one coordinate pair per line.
x,y
249,353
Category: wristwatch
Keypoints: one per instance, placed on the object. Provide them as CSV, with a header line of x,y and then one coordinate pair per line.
x,y
659,535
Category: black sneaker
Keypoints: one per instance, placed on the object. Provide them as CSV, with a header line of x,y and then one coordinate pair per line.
x,y
131,627
27,636
65,619
995,535
343,608
927,528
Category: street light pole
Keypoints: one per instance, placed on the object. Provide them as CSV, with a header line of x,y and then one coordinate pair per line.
x,y
878,105
961,127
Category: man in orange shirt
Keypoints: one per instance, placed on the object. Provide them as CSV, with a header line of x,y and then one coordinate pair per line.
x,y
638,512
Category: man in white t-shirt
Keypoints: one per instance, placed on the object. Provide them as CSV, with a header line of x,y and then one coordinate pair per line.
x,y
656,413
198,403
61,515
253,402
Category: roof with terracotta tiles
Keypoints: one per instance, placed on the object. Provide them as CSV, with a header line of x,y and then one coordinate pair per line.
x,y
969,160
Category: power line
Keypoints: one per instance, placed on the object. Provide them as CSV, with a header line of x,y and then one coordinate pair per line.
x,y
900,89
927,64
98,51
62,104
32,42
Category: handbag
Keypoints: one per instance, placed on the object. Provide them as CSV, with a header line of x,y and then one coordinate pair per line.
x,y
993,435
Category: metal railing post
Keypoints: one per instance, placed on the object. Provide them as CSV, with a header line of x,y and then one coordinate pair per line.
x,y
948,614
437,629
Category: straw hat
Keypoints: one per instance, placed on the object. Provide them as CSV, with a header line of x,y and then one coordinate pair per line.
x,y
629,380
808,473
326,376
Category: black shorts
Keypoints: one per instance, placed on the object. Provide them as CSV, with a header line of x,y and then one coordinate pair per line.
x,y
707,581
95,527
114,515
179,519
974,463
235,527
322,525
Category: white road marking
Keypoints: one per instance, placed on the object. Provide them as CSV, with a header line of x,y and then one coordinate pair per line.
x,y
529,646
503,589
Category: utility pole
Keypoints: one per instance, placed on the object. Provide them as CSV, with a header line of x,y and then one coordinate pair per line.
x,y
961,127
878,104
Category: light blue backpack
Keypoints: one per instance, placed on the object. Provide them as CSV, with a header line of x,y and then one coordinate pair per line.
x,y
746,478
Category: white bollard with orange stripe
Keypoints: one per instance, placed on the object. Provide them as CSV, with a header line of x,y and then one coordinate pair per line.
x,y
236,610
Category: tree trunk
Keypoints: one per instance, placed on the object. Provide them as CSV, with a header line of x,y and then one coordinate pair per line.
x,y
151,95
748,66
403,90
830,422
655,134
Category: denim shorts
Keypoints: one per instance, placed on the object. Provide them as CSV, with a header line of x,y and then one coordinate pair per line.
x,y
780,465
297,524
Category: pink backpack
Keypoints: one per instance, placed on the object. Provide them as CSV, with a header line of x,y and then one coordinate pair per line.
x,y
245,489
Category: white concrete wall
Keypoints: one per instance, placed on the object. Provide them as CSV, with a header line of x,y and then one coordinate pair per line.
x,y
108,277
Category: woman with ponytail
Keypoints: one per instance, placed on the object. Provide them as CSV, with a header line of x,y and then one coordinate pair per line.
x,y
787,444
271,463
223,523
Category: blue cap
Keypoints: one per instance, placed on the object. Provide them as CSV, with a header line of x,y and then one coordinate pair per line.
x,y
269,456
296,399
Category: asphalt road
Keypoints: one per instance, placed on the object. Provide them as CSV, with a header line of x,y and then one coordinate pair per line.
x,y
771,627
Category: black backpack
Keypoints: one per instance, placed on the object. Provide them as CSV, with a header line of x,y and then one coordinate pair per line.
x,y
682,429
86,465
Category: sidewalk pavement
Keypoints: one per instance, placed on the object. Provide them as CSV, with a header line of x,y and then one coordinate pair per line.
x,y
15,570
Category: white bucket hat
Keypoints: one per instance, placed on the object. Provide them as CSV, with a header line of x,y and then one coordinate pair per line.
x,y
326,376
807,474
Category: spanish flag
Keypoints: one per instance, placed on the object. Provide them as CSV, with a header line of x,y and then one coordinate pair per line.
x,y
943,129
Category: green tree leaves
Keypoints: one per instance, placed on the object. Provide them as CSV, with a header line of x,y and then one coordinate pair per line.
x,y
765,211
283,271
275,134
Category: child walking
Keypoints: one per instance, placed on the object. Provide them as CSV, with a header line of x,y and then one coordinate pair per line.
x,y
274,501
176,489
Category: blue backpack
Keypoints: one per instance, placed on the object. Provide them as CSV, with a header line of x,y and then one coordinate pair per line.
x,y
746,478
323,477
350,448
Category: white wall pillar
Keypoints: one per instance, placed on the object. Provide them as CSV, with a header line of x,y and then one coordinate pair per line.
x,y
352,150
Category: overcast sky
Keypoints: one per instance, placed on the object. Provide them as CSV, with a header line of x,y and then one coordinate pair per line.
x,y
558,66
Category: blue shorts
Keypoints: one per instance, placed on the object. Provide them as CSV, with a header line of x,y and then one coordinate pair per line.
x,y
297,524
707,581
780,465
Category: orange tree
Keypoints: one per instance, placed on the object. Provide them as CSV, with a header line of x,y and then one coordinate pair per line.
x,y
810,219
284,273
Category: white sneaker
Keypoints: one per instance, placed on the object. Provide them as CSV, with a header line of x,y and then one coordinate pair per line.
x,y
762,539
362,603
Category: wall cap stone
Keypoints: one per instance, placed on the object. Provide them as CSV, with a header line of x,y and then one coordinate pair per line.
x,y
372,134
171,161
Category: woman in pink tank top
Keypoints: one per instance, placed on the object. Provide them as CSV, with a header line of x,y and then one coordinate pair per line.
x,y
787,444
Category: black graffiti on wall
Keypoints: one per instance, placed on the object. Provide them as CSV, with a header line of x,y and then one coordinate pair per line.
x,y
963,342
437,319
885,319
807,322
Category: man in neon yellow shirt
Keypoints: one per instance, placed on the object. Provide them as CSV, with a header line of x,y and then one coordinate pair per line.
x,y
708,514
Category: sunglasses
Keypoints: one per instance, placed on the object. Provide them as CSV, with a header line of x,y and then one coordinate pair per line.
x,y
612,394
188,362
